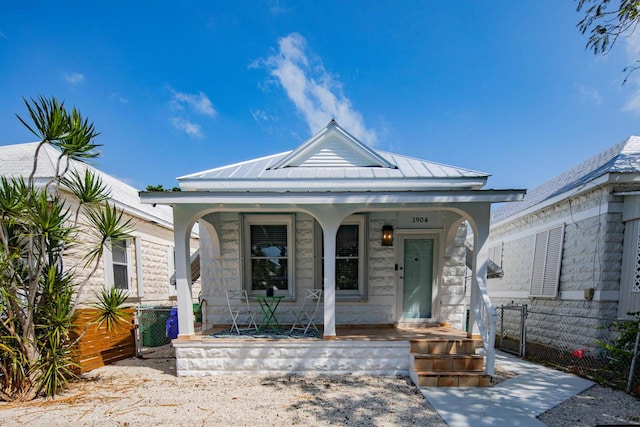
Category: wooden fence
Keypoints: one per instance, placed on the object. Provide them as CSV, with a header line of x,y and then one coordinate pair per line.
x,y
99,347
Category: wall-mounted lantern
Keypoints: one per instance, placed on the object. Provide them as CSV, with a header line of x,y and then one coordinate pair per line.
x,y
387,235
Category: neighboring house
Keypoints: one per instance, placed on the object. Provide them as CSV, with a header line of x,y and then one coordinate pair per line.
x,y
315,217
141,265
572,246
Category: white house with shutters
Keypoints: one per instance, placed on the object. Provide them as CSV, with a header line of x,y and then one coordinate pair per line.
x,y
572,246
142,265
314,218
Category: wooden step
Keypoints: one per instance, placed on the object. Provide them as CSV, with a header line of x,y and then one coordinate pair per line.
x,y
451,379
447,362
444,346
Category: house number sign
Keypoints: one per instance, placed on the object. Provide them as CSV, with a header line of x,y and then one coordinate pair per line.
x,y
420,220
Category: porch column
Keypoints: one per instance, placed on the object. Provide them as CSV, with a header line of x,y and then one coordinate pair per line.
x,y
330,231
330,217
482,219
181,236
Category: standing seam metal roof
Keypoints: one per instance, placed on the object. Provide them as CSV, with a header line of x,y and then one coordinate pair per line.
x,y
623,157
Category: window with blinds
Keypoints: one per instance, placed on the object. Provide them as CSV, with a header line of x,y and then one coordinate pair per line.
x,y
547,259
350,258
268,244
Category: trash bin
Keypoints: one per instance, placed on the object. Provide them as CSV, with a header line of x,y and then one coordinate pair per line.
x,y
172,324
152,325
197,313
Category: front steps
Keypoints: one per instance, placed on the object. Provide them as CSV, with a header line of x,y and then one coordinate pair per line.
x,y
447,363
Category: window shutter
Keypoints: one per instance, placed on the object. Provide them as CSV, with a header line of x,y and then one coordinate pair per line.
x,y
547,259
495,254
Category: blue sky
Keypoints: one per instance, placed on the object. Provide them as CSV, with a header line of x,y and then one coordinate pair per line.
x,y
504,87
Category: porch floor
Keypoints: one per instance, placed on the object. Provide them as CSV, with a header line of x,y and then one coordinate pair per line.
x,y
365,333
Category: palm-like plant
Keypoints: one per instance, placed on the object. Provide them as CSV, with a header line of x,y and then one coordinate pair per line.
x,y
38,293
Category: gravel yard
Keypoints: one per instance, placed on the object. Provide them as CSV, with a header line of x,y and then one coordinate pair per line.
x,y
137,392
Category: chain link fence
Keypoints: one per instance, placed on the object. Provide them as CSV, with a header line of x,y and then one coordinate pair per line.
x,y
156,327
152,327
601,349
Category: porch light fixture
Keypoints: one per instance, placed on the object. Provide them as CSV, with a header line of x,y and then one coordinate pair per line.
x,y
387,235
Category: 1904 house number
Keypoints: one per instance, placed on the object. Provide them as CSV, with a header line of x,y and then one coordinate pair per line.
x,y
420,219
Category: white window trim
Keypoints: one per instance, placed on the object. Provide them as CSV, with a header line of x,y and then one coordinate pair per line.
x,y
363,239
139,269
277,219
546,262
108,265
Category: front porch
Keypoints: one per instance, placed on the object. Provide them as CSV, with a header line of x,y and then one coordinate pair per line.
x,y
430,355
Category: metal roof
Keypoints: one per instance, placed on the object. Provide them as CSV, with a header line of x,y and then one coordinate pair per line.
x,y
17,160
622,158
333,160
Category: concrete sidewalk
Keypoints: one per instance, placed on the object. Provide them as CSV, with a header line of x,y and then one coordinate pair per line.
x,y
515,402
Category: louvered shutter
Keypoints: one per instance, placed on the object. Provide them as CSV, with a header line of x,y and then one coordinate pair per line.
x,y
495,254
547,259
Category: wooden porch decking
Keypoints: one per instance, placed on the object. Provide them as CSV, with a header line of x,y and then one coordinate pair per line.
x,y
366,333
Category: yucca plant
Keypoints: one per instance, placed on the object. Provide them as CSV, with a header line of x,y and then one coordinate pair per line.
x,y
110,306
38,292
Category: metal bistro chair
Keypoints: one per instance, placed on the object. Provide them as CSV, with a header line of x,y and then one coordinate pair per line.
x,y
304,317
238,303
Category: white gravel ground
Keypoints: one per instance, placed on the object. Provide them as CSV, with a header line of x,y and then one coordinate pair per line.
x,y
146,392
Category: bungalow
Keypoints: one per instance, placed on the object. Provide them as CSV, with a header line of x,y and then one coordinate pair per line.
x,y
571,248
382,234
142,265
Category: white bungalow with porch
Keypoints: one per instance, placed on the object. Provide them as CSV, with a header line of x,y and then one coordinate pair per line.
x,y
314,218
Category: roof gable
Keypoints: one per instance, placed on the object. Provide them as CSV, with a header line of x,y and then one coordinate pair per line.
x,y
333,160
332,147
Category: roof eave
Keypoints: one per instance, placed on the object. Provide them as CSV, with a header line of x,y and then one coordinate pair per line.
x,y
333,185
608,178
234,199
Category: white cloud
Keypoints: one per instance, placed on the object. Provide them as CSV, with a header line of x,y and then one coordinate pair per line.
x,y
262,116
589,95
119,97
186,104
74,78
191,129
312,89
199,103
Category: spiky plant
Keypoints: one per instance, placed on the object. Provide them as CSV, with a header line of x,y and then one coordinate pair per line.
x,y
38,292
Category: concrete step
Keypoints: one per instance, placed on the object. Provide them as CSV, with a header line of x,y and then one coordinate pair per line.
x,y
447,362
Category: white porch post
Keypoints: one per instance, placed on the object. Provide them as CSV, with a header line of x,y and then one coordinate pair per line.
x,y
482,219
181,236
330,231
330,217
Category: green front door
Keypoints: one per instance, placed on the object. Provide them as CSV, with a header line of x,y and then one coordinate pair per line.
x,y
418,279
